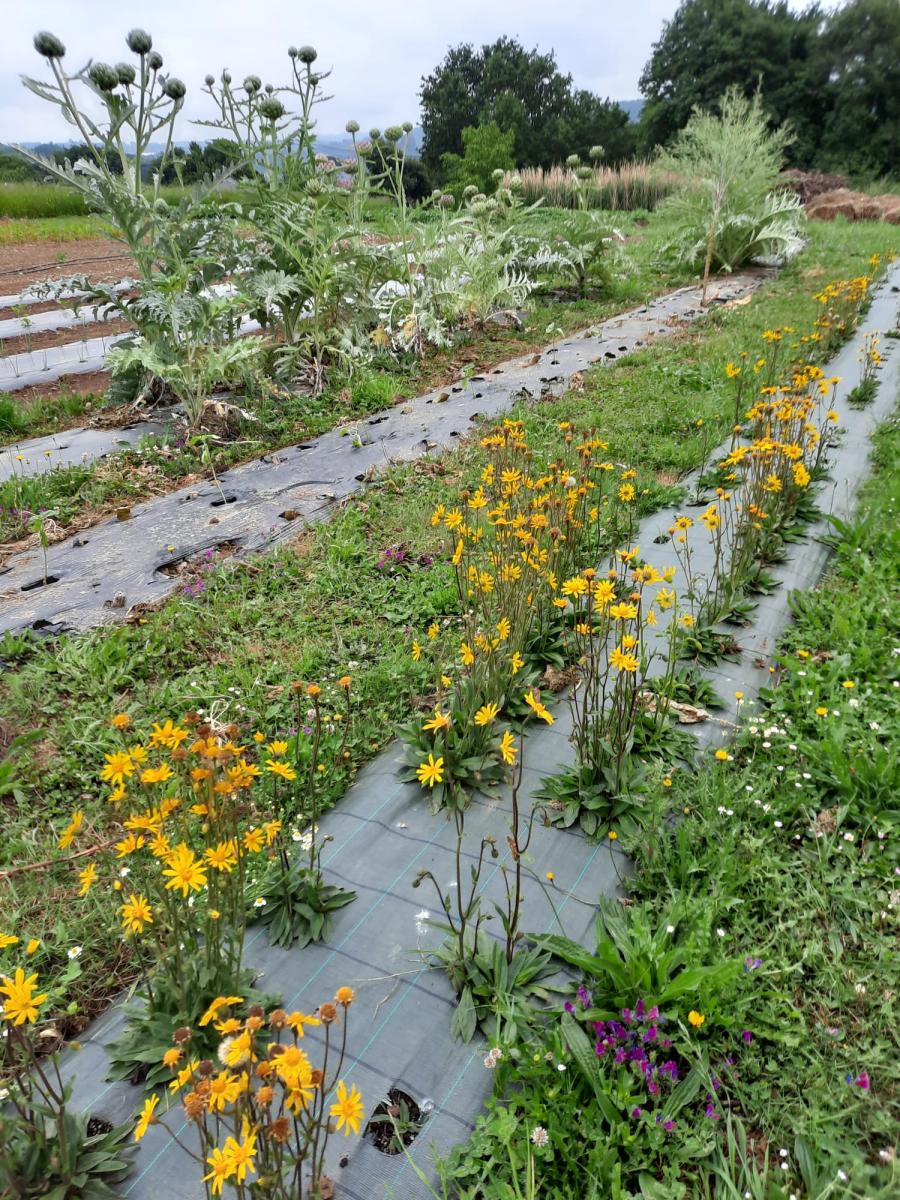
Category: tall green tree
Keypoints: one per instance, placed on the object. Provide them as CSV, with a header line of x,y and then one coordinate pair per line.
x,y
712,45
860,57
487,149
526,94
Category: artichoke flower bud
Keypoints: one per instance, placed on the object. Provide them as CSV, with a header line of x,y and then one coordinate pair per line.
x,y
352,126
293,51
49,45
226,77
155,60
374,134
307,54
407,126
270,89
125,72
209,80
271,109
139,41
315,186
595,153
584,173
497,174
175,89
469,191
573,160
447,200
252,84
393,133
103,76
436,195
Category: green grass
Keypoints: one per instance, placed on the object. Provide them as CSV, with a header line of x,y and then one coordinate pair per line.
x,y
766,899
20,230
323,607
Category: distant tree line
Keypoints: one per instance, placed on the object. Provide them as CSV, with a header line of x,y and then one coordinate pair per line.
x,y
833,76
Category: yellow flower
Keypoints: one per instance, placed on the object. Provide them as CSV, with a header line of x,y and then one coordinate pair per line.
x,y
345,996
348,1108
159,774
241,1154
537,708
184,870
32,946
604,593
623,612
129,845
136,914
486,714
613,836
848,683
623,661
277,748
508,749
416,651
146,1119
168,735
222,857
626,493
219,1003
120,721
172,1057
73,827
281,769
430,772
297,1022
20,1004
576,586
723,756
345,681
438,720
457,553
465,653
549,876
119,765
253,841
432,631
517,662
695,1018
821,711
222,1168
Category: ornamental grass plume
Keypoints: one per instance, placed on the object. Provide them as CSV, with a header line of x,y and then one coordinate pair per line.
x,y
263,1111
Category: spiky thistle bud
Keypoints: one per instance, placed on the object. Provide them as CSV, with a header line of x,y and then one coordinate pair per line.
x,y
139,41
155,60
307,54
252,84
226,77
573,160
352,126
175,89
393,133
49,45
293,51
209,80
125,72
595,153
407,126
103,76
271,109
374,134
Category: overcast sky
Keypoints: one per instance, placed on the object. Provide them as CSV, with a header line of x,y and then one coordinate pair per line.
x,y
378,49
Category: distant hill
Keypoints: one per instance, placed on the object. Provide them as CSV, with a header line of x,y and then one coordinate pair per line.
x,y
632,107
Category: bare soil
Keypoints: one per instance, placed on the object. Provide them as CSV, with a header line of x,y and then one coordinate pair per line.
x,y
36,262
41,339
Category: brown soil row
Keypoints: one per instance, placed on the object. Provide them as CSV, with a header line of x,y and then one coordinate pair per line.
x,y
41,339
35,262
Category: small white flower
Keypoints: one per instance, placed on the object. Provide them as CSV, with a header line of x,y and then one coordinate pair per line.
x,y
860,989
782,1153
670,929
540,1136
843,1176
560,1066
126,871
75,952
720,932
259,902
778,824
